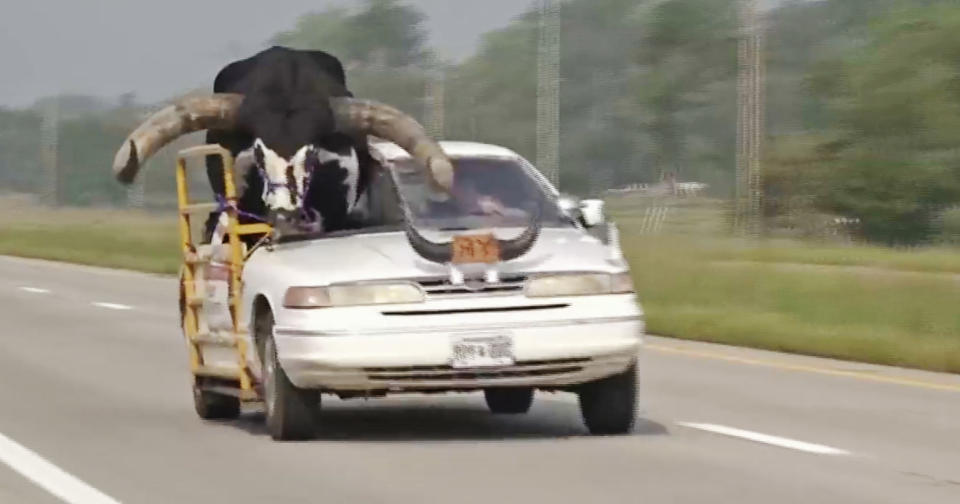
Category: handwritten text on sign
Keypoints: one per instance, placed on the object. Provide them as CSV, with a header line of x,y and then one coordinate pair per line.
x,y
476,249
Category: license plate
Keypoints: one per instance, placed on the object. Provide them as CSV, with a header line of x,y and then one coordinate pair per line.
x,y
482,351
475,249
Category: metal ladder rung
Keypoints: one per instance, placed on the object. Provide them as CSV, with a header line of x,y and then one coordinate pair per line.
x,y
218,372
215,340
197,301
199,207
248,229
243,395
193,259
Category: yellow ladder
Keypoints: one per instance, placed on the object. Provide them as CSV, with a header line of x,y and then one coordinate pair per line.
x,y
193,303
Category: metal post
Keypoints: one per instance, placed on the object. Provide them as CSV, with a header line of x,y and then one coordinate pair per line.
x,y
49,161
750,120
136,193
435,100
604,84
759,118
548,91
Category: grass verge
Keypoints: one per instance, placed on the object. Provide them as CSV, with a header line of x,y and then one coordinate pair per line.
x,y
109,238
870,315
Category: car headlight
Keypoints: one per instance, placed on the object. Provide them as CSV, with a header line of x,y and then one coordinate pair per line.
x,y
352,295
579,285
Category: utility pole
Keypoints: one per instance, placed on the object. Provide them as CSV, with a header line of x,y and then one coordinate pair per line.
x,y
750,120
436,90
137,193
49,160
548,91
605,85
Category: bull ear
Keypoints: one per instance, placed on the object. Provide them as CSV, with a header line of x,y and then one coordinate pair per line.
x,y
311,160
258,155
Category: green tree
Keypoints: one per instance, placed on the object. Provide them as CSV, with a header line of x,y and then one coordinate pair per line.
x,y
86,148
494,93
19,151
646,88
891,115
492,96
381,44
686,88
380,33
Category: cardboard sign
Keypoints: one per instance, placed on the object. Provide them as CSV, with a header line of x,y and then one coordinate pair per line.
x,y
476,249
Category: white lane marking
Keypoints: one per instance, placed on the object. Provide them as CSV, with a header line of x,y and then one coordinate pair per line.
x,y
48,476
35,290
766,438
112,306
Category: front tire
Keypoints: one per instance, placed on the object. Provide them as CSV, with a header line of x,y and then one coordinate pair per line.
x,y
290,411
509,401
609,405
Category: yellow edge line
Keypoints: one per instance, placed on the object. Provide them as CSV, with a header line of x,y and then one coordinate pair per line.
x,y
806,369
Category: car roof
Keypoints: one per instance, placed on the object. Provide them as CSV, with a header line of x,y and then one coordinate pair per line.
x,y
454,149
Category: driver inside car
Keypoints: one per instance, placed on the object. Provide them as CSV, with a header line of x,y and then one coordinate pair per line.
x,y
473,202
469,199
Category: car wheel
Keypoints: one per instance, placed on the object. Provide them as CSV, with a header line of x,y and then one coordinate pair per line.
x,y
210,406
512,400
609,405
290,411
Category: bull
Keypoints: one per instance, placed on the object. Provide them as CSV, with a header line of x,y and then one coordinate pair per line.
x,y
300,139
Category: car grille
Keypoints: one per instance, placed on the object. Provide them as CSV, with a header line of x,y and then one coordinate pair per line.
x,y
448,373
443,288
488,309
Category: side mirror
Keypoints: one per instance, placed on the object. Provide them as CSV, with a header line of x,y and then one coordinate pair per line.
x,y
569,205
591,211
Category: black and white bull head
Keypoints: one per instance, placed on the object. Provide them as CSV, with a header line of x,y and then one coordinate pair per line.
x,y
289,182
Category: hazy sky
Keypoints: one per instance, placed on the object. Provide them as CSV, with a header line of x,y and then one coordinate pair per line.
x,y
160,47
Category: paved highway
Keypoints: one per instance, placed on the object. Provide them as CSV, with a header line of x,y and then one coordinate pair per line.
x,y
96,409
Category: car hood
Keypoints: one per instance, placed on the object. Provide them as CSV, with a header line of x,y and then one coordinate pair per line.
x,y
383,256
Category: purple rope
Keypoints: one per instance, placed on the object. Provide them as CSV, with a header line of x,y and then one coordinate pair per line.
x,y
268,185
307,214
224,205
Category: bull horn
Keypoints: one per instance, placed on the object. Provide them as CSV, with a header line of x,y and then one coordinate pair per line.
x,y
217,111
443,252
378,119
431,251
512,249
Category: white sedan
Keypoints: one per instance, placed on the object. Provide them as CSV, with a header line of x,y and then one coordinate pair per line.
x,y
470,296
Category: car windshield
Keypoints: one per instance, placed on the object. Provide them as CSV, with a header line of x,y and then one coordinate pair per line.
x,y
487,192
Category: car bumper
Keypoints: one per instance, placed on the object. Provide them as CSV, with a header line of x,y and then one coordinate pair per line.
x,y
547,354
